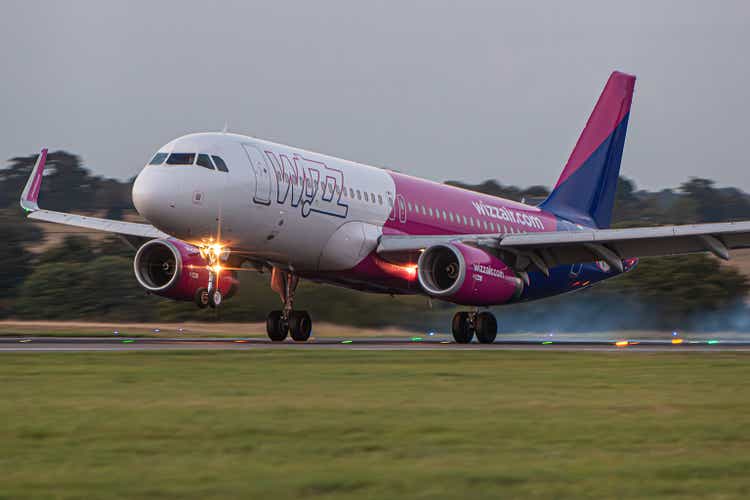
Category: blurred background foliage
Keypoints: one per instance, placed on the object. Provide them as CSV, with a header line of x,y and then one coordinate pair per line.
x,y
73,276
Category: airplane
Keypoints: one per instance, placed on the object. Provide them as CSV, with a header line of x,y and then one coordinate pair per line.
x,y
218,203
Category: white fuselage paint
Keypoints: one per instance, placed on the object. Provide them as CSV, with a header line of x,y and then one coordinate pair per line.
x,y
276,203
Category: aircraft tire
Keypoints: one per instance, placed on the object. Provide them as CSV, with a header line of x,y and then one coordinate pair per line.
x,y
485,325
462,332
201,297
276,327
214,299
300,326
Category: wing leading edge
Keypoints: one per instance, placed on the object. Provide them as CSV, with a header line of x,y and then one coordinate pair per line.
x,y
29,202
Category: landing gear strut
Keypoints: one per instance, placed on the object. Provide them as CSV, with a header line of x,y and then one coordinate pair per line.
x,y
467,324
287,321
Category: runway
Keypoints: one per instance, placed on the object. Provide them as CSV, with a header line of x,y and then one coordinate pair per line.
x,y
88,344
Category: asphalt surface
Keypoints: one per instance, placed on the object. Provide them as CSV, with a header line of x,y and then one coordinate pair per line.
x,y
78,344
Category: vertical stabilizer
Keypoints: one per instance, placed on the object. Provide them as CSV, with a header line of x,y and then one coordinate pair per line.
x,y
585,192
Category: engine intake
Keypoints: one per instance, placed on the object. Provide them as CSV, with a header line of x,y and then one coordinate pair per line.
x,y
441,270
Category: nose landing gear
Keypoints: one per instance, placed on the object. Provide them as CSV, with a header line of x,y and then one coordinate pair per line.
x,y
214,254
287,321
466,324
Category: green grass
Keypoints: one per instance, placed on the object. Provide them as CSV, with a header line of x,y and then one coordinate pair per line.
x,y
347,424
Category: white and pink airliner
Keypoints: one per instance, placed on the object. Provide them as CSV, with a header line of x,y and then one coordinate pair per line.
x,y
220,202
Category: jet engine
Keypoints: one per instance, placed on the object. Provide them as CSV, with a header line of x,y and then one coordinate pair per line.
x,y
467,275
174,269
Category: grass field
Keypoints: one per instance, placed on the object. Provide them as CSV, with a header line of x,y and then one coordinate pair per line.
x,y
345,424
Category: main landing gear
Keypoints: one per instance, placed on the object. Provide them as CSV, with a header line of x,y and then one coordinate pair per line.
x,y
466,324
287,321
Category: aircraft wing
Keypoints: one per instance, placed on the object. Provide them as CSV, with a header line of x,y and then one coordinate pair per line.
x,y
30,195
541,251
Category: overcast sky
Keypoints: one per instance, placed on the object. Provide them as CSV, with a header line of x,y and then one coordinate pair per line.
x,y
444,90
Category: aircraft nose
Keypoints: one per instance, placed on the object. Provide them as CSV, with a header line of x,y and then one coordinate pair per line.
x,y
142,193
151,195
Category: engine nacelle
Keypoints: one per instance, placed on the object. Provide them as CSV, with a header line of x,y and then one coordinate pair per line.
x,y
466,275
175,269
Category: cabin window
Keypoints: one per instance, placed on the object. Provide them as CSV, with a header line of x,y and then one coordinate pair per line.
x,y
359,194
181,159
380,199
220,165
450,216
366,199
158,159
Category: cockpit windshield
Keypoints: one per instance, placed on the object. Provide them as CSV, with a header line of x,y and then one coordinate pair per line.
x,y
158,159
211,162
204,161
181,159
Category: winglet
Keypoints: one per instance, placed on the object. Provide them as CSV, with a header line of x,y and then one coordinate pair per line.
x,y
30,193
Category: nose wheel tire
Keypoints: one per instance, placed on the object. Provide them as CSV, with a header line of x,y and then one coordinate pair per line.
x,y
462,331
300,326
214,299
485,326
276,326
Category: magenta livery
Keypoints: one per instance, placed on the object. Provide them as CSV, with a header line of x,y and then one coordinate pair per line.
x,y
221,203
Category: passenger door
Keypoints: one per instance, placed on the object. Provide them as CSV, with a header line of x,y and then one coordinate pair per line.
x,y
262,175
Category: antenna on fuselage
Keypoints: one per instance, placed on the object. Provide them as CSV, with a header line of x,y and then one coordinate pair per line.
x,y
226,127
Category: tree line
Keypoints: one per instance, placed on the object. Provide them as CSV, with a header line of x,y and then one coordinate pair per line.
x,y
83,278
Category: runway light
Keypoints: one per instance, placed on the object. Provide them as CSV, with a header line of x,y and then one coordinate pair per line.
x,y
23,341
241,341
128,341
157,330
445,341
712,342
546,342
677,341
346,341
674,334
621,343
431,333
116,332
416,339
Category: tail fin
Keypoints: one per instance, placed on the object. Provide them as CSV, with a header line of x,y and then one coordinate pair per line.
x,y
585,192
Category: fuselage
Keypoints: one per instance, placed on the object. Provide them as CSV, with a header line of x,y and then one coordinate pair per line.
x,y
321,216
